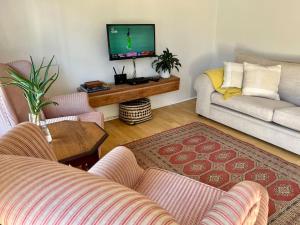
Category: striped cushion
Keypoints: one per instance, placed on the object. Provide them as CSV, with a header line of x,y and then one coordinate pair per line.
x,y
36,191
186,199
59,119
246,203
119,165
68,105
26,139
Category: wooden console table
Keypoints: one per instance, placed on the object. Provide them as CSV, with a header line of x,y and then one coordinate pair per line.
x,y
125,92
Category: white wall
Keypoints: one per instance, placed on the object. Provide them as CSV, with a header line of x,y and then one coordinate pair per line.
x,y
74,31
264,26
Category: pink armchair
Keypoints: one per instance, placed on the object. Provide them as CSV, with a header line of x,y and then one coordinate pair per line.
x,y
14,109
34,189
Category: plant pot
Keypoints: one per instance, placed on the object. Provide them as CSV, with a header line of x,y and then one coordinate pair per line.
x,y
36,119
165,74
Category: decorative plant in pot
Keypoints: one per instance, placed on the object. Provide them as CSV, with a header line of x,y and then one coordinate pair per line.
x,y
34,88
165,63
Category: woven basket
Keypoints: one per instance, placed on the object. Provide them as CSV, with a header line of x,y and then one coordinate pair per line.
x,y
136,111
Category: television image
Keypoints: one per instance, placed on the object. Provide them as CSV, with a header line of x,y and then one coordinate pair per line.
x,y
127,41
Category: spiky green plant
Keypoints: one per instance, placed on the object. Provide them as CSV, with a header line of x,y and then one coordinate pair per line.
x,y
166,62
35,87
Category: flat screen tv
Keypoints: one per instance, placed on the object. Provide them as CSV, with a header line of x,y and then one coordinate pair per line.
x,y
127,41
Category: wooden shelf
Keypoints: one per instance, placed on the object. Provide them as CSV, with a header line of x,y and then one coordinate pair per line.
x,y
125,92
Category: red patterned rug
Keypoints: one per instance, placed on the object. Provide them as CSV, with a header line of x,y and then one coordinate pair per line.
x,y
218,159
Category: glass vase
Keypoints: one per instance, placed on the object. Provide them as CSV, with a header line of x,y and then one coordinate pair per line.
x,y
39,120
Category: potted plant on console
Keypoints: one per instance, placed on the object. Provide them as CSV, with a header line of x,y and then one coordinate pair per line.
x,y
165,63
34,89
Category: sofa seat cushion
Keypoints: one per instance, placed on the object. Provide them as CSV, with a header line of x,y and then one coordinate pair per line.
x,y
261,108
288,117
184,198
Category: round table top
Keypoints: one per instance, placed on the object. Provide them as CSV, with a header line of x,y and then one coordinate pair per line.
x,y
74,139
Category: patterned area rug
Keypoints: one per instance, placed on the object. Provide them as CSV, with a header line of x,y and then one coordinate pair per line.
x,y
215,158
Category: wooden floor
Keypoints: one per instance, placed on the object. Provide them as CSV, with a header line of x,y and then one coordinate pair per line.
x,y
174,116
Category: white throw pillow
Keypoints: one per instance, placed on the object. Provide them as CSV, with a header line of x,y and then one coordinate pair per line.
x,y
233,75
261,81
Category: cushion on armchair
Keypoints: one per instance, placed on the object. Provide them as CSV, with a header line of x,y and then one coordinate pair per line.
x,y
68,105
186,199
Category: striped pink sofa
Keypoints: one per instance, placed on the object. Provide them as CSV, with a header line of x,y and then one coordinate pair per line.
x,y
14,108
35,189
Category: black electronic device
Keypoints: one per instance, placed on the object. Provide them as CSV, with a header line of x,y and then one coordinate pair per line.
x,y
137,80
154,78
120,79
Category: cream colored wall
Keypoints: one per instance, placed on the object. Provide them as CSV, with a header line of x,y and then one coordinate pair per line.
x,y
74,31
264,26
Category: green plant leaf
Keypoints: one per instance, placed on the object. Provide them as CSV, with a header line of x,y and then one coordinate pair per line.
x,y
35,87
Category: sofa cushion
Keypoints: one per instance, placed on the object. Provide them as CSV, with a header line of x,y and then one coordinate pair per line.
x,y
261,108
178,194
290,75
261,81
233,75
288,117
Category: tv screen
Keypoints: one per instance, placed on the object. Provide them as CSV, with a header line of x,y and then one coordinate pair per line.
x,y
126,41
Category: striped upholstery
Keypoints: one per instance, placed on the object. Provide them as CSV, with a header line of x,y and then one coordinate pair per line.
x,y
8,118
96,117
69,105
26,139
120,166
59,119
15,95
22,66
246,203
39,192
115,191
186,199
14,108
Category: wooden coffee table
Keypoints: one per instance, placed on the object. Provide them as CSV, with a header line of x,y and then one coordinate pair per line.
x,y
76,143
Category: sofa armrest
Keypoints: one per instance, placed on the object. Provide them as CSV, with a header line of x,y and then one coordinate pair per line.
x,y
120,166
204,89
68,105
245,203
26,139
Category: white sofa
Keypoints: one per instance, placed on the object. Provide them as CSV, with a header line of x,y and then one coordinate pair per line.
x,y
277,122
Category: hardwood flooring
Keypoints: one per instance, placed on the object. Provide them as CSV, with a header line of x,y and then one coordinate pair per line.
x,y
174,116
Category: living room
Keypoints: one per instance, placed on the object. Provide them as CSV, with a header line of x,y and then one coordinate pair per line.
x,y
177,150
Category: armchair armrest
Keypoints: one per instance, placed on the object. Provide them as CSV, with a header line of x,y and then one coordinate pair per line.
x,y
8,118
26,139
68,105
119,165
204,89
245,203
